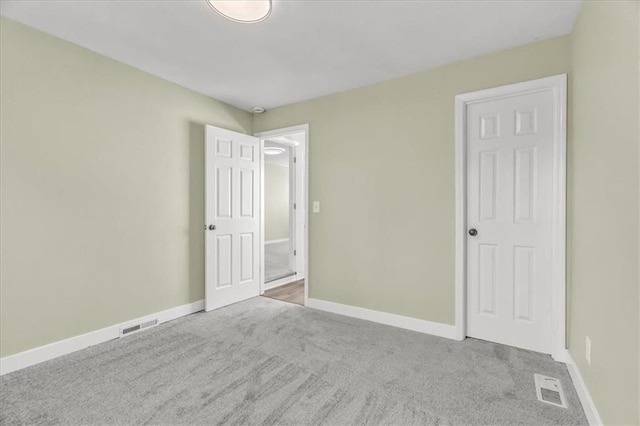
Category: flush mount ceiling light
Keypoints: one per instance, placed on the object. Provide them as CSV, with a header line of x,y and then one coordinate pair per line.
x,y
273,150
244,11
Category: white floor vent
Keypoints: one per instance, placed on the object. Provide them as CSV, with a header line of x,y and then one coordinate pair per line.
x,y
549,390
132,328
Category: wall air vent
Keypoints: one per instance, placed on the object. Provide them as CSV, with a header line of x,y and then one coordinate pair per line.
x,y
549,390
132,328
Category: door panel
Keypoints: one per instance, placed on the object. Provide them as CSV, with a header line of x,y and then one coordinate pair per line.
x,y
247,192
246,257
487,274
223,192
223,256
526,184
231,200
488,185
523,282
509,202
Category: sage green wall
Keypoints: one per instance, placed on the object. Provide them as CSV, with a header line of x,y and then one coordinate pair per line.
x,y
102,189
382,165
604,205
276,202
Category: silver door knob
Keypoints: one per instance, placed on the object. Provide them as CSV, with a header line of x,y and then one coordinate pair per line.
x,y
473,232
212,227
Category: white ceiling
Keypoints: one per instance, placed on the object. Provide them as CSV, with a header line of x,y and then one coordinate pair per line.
x,y
305,49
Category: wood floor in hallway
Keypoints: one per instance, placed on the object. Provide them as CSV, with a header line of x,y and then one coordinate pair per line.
x,y
292,292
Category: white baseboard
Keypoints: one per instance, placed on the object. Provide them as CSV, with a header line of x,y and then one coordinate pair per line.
x,y
284,240
282,281
63,347
583,393
413,324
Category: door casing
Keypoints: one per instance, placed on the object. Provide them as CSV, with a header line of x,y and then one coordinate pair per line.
x,y
557,85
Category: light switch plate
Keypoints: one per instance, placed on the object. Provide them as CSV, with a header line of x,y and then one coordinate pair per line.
x,y
316,206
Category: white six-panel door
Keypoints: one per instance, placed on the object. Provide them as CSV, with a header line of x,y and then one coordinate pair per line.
x,y
510,205
232,221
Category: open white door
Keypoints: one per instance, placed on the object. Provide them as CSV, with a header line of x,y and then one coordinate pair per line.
x,y
232,221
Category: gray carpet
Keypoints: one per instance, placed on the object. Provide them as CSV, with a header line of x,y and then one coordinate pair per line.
x,y
277,261
268,362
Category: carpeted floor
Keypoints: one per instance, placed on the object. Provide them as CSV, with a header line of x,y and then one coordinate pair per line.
x,y
265,362
277,263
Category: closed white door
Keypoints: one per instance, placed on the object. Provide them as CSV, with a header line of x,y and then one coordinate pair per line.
x,y
232,222
509,220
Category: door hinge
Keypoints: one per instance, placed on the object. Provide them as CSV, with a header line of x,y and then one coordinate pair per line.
x,y
295,252
295,206
295,159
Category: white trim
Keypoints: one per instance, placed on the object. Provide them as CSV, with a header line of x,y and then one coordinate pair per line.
x,y
583,393
302,212
293,214
280,282
63,347
407,323
461,220
283,240
558,86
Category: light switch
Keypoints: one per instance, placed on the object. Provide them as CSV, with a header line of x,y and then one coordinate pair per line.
x,y
316,206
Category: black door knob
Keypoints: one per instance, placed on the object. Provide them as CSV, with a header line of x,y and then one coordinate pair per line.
x,y
473,232
212,227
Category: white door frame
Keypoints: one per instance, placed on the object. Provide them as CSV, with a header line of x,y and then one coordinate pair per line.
x,y
302,205
557,85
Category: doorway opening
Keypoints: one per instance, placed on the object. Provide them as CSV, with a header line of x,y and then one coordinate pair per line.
x,y
279,217
284,235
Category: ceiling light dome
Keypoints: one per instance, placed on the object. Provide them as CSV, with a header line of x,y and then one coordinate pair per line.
x,y
245,11
273,150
